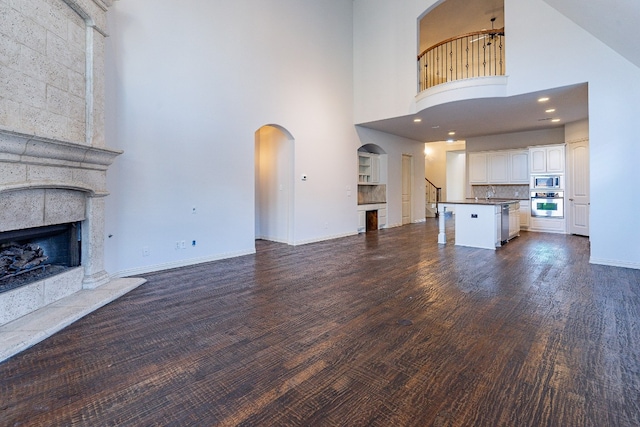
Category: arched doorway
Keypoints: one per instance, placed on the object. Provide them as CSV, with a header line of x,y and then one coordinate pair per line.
x,y
274,186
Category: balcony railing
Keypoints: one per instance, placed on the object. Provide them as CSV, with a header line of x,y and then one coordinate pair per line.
x,y
477,54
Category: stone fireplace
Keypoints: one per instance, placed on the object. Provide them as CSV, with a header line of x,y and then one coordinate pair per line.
x,y
53,159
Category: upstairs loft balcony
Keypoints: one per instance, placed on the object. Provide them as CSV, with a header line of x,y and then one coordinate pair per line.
x,y
476,54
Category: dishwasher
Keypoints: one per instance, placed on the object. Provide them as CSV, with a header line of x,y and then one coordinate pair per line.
x,y
504,235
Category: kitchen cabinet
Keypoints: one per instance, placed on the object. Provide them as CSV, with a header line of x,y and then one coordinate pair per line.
x,y
478,168
548,225
519,167
514,220
547,159
525,214
498,226
499,167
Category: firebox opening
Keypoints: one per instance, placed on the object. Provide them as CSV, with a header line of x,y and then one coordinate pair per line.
x,y
33,254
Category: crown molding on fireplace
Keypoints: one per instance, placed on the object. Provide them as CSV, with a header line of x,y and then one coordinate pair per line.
x,y
20,147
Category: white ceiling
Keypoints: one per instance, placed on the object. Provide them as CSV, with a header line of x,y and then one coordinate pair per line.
x,y
614,22
490,116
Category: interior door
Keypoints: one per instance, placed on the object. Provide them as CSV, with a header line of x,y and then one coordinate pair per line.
x,y
578,168
407,164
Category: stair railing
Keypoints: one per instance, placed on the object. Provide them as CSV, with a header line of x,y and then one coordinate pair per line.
x,y
434,194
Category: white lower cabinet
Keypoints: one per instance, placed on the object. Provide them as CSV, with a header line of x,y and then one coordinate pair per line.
x,y
382,218
525,214
548,225
514,220
498,225
362,221
381,208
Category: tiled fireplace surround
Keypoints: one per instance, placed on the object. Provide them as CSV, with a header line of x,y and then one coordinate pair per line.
x,y
53,159
46,182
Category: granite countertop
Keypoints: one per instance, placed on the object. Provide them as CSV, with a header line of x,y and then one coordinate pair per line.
x,y
480,201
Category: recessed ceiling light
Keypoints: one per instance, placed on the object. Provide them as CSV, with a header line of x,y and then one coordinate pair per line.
x,y
452,133
417,120
550,110
555,120
544,99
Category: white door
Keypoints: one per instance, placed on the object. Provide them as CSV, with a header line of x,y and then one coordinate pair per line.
x,y
406,188
578,159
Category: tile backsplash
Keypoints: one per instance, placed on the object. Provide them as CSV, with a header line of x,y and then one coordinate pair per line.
x,y
368,194
520,192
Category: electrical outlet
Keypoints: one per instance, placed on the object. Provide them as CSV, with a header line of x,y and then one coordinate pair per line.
x,y
193,243
178,245
145,251
193,210
183,244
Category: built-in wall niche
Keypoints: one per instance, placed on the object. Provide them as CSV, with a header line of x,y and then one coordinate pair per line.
x,y
372,188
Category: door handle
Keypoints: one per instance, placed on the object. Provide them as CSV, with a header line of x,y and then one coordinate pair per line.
x,y
571,200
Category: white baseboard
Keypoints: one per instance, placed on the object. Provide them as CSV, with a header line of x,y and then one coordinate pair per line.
x,y
615,263
324,238
181,263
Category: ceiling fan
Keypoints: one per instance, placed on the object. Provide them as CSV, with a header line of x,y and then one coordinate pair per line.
x,y
491,36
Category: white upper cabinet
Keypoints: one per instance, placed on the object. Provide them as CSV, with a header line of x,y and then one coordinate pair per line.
x,y
368,168
519,172
555,159
547,159
499,167
375,169
478,168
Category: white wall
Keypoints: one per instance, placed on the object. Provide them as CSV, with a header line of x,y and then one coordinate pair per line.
x,y
456,176
436,166
576,131
507,141
189,83
544,50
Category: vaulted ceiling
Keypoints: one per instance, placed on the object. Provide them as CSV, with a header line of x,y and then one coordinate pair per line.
x,y
614,22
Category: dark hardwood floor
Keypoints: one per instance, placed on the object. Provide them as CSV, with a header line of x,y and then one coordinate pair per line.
x,y
383,329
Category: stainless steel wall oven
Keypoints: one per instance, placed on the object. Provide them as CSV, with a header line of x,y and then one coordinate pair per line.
x,y
548,204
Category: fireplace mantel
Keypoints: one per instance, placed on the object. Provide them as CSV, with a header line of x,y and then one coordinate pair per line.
x,y
32,149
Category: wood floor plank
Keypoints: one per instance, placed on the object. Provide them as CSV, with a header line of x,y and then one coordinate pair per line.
x,y
381,329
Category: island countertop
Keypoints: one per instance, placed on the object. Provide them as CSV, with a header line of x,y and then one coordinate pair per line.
x,y
480,201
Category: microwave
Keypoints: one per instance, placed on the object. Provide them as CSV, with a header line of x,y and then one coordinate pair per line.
x,y
546,181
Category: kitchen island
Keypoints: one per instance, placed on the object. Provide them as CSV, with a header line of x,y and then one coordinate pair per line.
x,y
478,222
